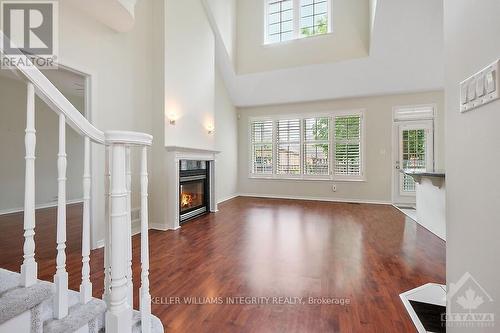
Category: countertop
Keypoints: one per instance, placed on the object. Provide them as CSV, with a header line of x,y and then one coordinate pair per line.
x,y
425,173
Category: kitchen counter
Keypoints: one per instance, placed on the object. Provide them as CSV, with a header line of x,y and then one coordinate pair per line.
x,y
431,199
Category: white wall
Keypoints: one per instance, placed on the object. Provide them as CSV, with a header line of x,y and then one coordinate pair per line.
x,y
224,13
12,126
349,38
378,141
121,68
226,141
473,155
189,74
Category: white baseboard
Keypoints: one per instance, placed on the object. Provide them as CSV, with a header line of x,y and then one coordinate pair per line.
x,y
293,197
99,244
40,206
228,198
158,226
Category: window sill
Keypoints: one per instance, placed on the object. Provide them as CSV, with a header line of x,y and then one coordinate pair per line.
x,y
302,178
288,42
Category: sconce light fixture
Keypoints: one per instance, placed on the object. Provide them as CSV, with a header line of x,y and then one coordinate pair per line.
x,y
210,129
172,117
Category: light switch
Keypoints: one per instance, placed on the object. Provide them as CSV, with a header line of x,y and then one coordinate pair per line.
x,y
471,93
480,86
490,81
463,93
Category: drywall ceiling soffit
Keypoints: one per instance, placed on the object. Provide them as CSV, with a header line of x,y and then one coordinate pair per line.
x,y
119,15
406,55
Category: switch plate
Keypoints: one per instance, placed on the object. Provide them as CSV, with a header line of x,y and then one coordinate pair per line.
x,y
481,88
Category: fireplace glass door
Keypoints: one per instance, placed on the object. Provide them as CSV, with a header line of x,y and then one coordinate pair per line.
x,y
192,195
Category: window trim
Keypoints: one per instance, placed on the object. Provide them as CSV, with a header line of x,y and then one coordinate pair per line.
x,y
296,23
303,177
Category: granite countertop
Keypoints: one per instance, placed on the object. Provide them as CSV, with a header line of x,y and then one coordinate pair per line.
x,y
425,173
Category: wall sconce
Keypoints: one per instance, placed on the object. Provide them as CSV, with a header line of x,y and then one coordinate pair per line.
x,y
172,117
210,129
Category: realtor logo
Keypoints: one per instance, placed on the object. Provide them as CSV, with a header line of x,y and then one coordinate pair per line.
x,y
470,298
30,28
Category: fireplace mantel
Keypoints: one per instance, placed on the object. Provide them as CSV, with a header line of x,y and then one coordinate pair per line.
x,y
191,150
174,155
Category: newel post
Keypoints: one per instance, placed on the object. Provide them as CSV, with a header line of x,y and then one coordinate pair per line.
x,y
119,314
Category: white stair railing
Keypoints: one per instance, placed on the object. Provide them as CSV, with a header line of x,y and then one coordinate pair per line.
x,y
145,297
29,266
118,282
61,276
107,229
128,238
86,285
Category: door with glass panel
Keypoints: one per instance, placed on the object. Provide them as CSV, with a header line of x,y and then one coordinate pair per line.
x,y
414,152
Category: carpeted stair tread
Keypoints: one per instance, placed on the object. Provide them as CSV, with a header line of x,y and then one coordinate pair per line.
x,y
15,300
156,325
79,316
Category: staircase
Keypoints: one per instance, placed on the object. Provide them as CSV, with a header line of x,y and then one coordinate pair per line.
x,y
28,305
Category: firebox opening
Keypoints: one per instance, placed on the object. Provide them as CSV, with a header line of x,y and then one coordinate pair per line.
x,y
193,189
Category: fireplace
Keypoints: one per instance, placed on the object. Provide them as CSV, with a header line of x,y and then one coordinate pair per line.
x,y
194,189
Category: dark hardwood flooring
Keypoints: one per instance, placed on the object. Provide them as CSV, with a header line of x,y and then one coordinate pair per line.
x,y
264,248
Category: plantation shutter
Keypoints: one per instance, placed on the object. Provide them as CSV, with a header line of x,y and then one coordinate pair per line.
x,y
316,146
348,146
262,147
288,145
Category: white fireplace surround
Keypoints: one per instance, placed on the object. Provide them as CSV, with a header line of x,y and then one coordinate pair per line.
x,y
174,155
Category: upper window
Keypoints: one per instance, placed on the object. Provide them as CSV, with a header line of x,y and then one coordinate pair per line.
x,y
279,20
313,17
292,19
320,147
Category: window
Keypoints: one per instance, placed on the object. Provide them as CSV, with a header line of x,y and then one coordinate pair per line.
x,y
320,147
313,17
288,137
316,146
279,20
348,146
262,147
413,150
292,19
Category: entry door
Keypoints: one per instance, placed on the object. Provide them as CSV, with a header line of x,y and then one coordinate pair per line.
x,y
414,150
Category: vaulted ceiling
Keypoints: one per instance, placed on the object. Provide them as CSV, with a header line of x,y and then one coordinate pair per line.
x,y
405,55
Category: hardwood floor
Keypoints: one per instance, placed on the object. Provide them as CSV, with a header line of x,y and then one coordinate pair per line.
x,y
255,247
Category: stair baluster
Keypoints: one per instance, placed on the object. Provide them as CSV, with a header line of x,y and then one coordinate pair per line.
x,y
29,266
61,276
130,286
86,285
107,228
145,297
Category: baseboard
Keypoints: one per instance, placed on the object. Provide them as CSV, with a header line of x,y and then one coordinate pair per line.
x,y
40,206
99,244
293,197
158,226
228,198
